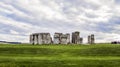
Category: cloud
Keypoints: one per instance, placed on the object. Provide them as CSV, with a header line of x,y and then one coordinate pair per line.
x,y
19,18
14,32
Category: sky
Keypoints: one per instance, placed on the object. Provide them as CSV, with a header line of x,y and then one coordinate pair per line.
x,y
20,18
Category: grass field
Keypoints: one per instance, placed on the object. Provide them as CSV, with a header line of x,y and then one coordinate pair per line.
x,y
100,55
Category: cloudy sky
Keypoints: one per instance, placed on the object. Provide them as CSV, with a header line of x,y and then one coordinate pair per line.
x,y
20,18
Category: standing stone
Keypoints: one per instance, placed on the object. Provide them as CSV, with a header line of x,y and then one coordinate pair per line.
x,y
40,38
76,38
81,40
31,39
91,39
65,38
35,39
57,38
68,38
60,38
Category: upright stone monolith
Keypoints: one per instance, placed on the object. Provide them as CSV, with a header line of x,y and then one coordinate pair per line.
x,y
76,38
57,38
60,38
40,38
91,39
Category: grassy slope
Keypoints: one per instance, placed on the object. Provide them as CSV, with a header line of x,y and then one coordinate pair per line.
x,y
102,55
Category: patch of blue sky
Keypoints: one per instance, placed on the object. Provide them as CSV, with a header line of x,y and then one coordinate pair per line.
x,y
104,27
117,1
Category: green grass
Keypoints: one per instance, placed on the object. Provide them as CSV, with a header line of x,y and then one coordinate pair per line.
x,y
99,55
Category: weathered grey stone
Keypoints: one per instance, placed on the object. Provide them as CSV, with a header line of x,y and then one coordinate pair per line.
x,y
76,38
65,38
60,38
31,39
91,39
40,38
57,38
36,39
81,40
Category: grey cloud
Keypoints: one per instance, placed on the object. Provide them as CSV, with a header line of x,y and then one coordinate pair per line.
x,y
61,16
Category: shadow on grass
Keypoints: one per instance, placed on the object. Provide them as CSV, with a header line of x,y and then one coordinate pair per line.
x,y
56,63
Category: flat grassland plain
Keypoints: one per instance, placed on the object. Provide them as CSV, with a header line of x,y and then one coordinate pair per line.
x,y
100,55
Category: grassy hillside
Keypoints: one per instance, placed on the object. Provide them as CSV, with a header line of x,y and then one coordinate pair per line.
x,y
100,55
